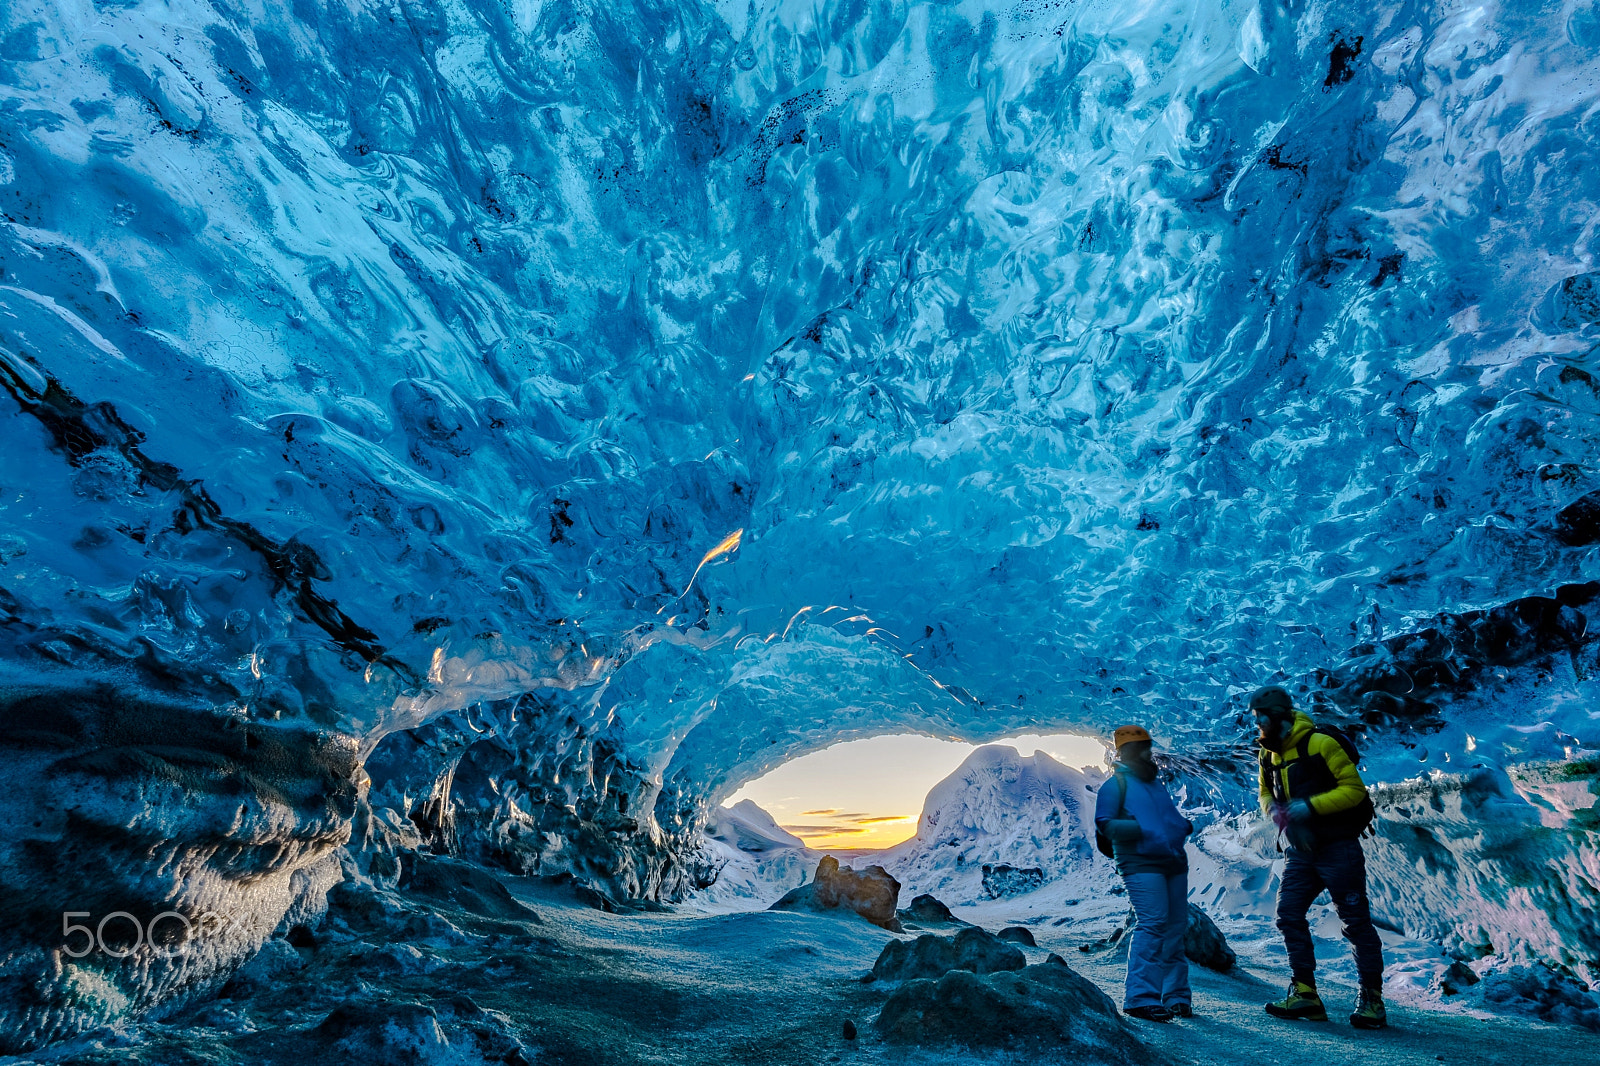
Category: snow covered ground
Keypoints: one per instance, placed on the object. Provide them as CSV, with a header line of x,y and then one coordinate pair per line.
x,y
581,986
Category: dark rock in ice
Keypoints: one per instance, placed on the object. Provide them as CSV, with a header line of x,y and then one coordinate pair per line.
x,y
276,960
871,893
926,910
1457,975
1000,881
1570,304
1204,943
1048,1004
1539,992
462,885
1578,523
387,1032
1408,680
849,1030
1016,934
931,956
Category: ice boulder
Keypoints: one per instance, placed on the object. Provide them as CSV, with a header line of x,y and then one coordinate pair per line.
x,y
1204,943
1017,934
927,910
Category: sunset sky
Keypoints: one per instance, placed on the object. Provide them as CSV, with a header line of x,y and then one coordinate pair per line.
x,y
868,793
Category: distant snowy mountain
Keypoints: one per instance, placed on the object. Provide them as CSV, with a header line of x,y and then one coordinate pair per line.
x,y
758,859
1029,819
999,808
748,827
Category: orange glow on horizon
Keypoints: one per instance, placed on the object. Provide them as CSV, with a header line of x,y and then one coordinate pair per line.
x,y
881,831
867,794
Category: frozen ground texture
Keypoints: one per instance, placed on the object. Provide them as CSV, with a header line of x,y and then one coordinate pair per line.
x,y
411,979
605,403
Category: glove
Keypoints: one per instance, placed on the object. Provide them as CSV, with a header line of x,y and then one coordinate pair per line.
x,y
1299,811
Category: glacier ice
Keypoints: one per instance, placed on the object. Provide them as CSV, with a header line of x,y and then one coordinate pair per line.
x,y
611,402
999,808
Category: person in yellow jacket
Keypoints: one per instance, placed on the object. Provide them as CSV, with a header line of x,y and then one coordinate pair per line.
x,y
1311,789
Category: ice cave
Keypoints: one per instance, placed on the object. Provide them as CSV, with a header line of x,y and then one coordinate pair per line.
x,y
449,447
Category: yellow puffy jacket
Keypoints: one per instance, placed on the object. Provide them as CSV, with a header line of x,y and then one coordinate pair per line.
x,y
1325,778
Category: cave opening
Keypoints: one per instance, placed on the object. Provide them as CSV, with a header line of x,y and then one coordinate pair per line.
x,y
864,795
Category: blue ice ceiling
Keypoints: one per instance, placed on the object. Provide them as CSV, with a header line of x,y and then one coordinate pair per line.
x,y
753,377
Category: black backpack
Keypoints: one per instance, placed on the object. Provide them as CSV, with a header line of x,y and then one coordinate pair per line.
x,y
1359,818
1101,841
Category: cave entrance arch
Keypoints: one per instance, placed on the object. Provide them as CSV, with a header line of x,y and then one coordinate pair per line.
x,y
868,794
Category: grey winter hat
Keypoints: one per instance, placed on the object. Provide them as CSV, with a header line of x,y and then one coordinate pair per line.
x,y
1271,698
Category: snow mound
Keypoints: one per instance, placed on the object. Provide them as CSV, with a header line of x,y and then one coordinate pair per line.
x,y
756,860
748,827
999,808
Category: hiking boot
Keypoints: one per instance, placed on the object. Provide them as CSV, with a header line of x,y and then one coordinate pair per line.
x,y
1369,1012
1301,1002
1181,1010
1150,1014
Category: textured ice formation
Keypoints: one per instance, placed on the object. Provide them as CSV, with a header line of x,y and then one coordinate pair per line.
x,y
1491,863
999,809
1496,867
664,390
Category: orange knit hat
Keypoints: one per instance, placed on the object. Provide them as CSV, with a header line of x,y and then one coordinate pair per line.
x,y
1128,733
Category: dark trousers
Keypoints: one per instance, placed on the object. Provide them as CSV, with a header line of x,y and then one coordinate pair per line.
x,y
1341,868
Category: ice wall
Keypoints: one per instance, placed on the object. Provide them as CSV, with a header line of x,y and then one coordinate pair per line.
x,y
1495,864
710,382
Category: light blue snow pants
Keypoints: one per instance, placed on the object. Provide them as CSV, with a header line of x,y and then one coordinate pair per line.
x,y
1158,971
